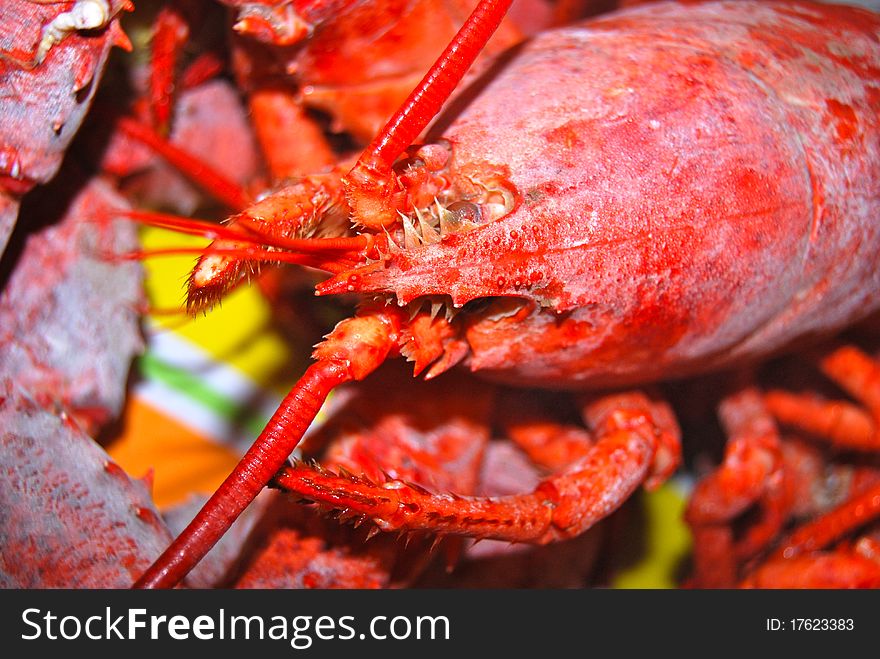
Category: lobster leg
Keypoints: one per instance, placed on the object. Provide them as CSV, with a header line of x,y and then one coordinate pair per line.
x,y
196,170
546,441
842,423
799,563
858,511
292,143
751,473
170,33
152,116
555,446
754,472
825,570
625,454
312,205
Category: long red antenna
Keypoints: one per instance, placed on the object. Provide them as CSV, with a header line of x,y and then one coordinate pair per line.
x,y
268,453
214,182
369,184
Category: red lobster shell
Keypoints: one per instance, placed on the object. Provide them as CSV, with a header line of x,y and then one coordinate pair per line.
x,y
693,186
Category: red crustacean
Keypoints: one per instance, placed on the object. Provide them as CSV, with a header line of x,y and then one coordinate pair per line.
x,y
655,194
51,58
509,323
69,317
794,510
70,327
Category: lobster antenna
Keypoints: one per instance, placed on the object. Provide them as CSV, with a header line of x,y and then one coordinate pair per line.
x,y
268,453
367,184
208,178
247,231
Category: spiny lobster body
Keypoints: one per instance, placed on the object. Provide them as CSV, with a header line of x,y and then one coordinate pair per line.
x,y
688,193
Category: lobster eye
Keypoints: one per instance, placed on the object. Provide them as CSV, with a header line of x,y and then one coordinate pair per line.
x,y
464,213
435,156
404,165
